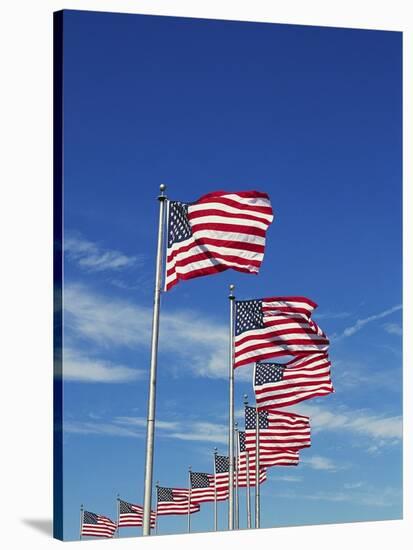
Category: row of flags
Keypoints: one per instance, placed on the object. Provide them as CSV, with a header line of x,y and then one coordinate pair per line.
x,y
223,230
281,436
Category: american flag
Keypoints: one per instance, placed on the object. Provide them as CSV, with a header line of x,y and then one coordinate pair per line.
x,y
272,327
279,457
222,474
203,488
277,430
174,502
131,515
220,230
278,385
95,525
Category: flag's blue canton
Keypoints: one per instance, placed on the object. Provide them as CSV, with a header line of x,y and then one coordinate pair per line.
x,y
221,464
248,316
178,224
90,517
165,494
268,372
125,507
241,436
250,419
199,480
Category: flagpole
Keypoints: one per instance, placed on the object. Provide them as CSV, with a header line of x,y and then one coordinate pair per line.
x,y
150,430
215,492
118,512
81,520
189,499
156,511
231,410
236,476
247,465
257,469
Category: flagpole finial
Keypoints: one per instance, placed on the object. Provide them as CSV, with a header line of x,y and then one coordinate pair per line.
x,y
236,426
162,189
215,450
245,399
231,292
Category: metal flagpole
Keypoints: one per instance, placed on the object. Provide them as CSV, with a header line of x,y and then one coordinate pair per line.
x,y
156,511
236,476
81,520
150,430
189,499
215,491
118,512
231,410
257,469
247,465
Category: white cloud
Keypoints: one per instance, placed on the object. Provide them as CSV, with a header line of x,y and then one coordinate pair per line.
x,y
290,479
91,257
319,463
354,485
366,496
331,315
358,422
99,428
199,343
83,368
129,426
393,328
360,323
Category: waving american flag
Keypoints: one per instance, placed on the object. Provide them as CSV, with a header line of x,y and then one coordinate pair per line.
x,y
271,327
280,385
220,230
173,501
95,525
131,515
277,430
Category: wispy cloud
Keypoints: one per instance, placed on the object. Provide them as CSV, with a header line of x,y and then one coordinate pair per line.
x,y
360,323
355,374
366,496
332,315
128,426
289,479
319,463
80,367
197,342
354,485
187,431
92,257
99,428
359,422
393,328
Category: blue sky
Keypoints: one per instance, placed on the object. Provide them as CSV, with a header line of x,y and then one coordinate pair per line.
x,y
312,116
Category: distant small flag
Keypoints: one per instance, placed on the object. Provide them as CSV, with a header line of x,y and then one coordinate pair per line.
x,y
173,501
242,477
220,230
278,430
222,474
203,488
95,525
280,385
272,327
279,457
131,515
